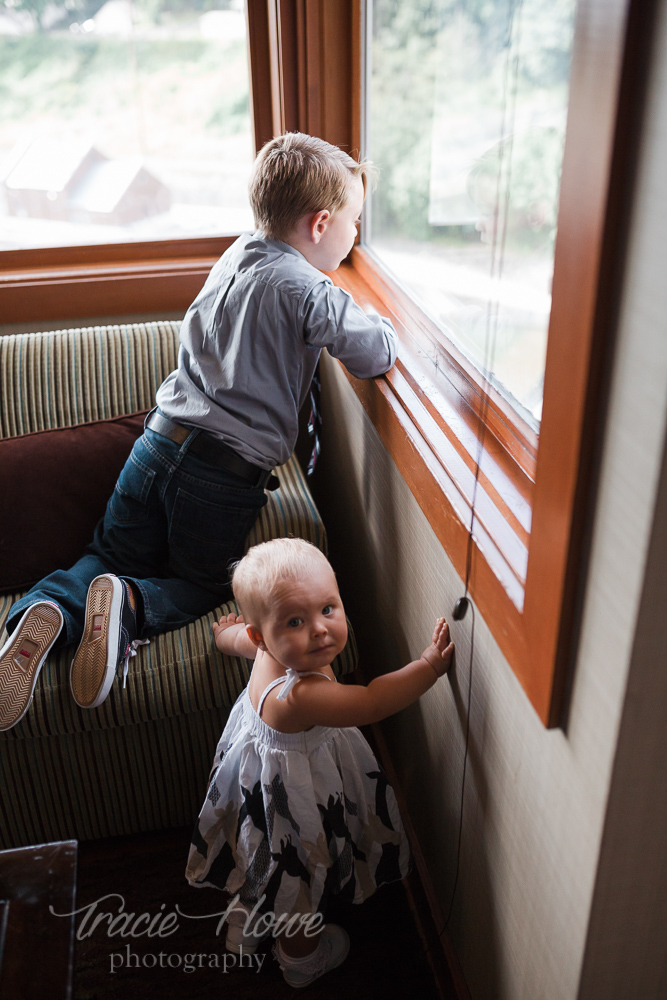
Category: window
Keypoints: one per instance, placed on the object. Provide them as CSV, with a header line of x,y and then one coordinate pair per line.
x,y
144,269
307,73
122,121
533,501
466,107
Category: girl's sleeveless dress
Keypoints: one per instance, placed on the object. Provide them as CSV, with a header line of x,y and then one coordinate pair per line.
x,y
291,819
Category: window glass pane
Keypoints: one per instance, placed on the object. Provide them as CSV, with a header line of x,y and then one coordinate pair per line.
x,y
466,120
122,120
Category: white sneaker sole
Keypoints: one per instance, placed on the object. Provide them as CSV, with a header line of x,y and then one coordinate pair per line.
x,y
22,658
96,660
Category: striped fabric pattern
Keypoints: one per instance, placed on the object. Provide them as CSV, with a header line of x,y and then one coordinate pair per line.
x,y
178,672
70,377
107,782
140,760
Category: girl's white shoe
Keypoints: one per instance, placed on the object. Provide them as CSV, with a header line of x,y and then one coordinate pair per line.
x,y
331,952
237,939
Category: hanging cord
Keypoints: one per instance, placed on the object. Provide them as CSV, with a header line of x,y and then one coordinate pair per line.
x,y
465,767
497,262
508,115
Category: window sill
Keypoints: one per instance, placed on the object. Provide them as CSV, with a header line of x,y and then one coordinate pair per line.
x,y
429,428
113,279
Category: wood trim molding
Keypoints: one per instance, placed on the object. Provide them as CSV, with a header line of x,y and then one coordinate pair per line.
x,y
305,55
113,253
262,72
609,65
440,479
444,363
529,554
105,287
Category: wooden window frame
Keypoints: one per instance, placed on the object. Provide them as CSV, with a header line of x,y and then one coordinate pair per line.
x,y
142,276
534,504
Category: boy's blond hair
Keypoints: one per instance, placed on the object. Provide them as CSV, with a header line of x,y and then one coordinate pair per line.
x,y
296,174
265,567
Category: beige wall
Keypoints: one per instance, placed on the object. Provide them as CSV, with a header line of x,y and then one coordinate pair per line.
x,y
535,799
626,947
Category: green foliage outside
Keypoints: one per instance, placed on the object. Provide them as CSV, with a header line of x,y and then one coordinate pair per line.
x,y
401,113
405,65
46,77
36,8
150,11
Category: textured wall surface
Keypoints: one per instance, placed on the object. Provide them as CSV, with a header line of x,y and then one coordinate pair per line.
x,y
535,799
626,947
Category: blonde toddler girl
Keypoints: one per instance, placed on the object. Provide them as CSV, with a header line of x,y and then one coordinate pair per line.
x,y
297,808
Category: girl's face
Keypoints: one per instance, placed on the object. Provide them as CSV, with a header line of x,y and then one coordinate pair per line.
x,y
306,627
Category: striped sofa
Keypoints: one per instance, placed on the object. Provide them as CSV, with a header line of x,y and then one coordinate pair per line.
x,y
140,761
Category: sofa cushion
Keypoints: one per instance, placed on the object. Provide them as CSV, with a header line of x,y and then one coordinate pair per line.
x,y
54,488
67,378
179,671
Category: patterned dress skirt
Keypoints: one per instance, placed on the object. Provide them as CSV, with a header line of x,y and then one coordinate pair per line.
x,y
293,818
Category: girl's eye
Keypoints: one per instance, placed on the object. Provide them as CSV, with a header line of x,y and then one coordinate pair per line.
x,y
294,622
327,609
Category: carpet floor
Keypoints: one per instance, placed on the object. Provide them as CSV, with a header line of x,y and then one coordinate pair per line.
x,y
182,956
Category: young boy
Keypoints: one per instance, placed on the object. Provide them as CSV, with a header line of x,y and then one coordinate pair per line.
x,y
225,418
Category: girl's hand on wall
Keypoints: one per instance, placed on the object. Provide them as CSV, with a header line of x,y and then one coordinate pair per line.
x,y
441,651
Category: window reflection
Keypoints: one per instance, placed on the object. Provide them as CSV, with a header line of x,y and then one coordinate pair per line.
x,y
467,111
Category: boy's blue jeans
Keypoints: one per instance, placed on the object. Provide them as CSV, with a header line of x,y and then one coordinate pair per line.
x,y
172,527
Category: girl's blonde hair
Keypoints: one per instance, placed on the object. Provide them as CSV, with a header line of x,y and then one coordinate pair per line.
x,y
265,567
296,174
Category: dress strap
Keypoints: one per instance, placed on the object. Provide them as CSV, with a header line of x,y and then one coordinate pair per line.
x,y
288,681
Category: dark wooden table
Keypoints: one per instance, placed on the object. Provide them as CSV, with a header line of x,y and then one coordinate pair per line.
x,y
36,945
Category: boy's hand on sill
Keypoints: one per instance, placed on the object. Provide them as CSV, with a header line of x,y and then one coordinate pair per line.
x,y
441,651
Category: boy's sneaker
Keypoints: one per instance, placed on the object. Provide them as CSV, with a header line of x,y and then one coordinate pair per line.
x,y
109,639
22,657
329,954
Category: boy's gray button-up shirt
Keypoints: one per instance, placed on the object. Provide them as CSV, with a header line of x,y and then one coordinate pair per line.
x,y
249,345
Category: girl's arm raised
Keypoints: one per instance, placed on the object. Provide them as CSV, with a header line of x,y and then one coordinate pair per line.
x,y
231,637
341,705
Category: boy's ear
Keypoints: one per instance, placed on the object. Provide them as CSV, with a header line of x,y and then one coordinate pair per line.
x,y
255,636
318,224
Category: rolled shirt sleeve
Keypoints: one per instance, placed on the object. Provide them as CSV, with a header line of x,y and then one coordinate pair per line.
x,y
365,343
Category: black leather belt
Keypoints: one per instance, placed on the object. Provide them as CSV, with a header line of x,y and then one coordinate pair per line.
x,y
213,451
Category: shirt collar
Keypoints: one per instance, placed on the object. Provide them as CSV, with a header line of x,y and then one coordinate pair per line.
x,y
285,247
